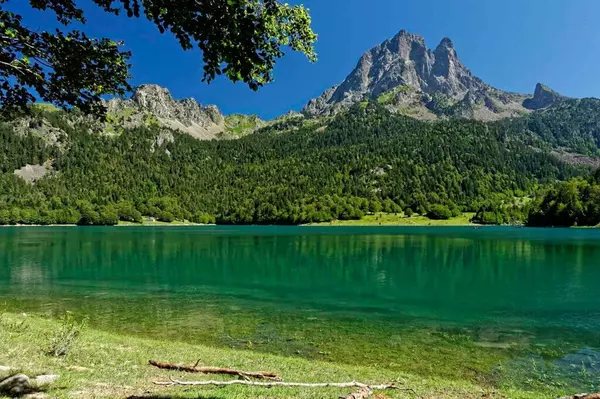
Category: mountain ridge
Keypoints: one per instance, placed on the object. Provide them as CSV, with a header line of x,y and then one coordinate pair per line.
x,y
436,84
187,115
151,103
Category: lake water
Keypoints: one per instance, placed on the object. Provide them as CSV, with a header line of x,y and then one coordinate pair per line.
x,y
499,305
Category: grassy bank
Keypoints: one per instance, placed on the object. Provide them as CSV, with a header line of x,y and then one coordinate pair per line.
x,y
378,219
390,219
147,222
105,365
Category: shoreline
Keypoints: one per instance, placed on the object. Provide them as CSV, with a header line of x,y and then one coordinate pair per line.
x,y
327,224
282,225
371,220
94,368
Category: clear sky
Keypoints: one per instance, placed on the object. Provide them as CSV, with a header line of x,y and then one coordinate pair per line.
x,y
511,44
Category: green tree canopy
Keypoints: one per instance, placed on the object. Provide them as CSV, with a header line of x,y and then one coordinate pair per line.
x,y
241,39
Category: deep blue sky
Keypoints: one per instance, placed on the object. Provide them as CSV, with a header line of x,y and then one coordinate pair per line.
x,y
511,44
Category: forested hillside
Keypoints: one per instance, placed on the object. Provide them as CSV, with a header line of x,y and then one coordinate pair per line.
x,y
573,125
572,203
366,160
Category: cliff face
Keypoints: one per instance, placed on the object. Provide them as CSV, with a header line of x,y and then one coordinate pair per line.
x,y
407,77
155,103
543,97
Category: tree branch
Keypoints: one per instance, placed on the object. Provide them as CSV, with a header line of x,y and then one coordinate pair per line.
x,y
353,384
215,370
22,71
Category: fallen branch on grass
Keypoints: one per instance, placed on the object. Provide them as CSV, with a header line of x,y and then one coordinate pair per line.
x,y
246,375
352,384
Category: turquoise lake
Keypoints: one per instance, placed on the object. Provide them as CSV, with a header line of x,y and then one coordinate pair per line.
x,y
504,303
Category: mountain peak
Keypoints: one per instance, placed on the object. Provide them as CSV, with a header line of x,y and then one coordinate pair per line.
x,y
446,43
405,61
148,95
151,88
159,101
406,77
186,115
407,35
403,43
543,97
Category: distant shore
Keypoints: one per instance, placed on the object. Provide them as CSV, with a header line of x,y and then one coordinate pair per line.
x,y
389,219
378,219
120,224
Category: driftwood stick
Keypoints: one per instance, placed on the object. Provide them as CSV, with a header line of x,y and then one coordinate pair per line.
x,y
353,384
246,375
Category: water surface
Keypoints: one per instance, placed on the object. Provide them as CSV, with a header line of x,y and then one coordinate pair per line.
x,y
517,304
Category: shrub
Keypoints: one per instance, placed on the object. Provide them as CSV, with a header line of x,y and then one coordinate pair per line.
x,y
166,217
108,216
65,337
439,212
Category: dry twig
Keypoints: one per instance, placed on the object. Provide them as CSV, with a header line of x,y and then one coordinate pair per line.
x,y
246,375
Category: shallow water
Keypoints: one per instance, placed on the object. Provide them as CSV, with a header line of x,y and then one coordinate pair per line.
x,y
507,305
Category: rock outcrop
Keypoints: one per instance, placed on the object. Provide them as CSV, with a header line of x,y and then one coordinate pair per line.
x,y
20,384
433,83
543,97
154,104
33,173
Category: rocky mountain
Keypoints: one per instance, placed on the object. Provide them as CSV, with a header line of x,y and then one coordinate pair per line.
x,y
148,105
152,103
401,74
407,77
543,97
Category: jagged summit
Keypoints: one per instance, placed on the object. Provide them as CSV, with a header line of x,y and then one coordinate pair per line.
x,y
543,97
187,115
151,103
159,101
446,43
417,80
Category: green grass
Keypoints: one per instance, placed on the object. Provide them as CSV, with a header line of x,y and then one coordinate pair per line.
x,y
388,97
390,219
158,223
106,365
240,125
47,107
